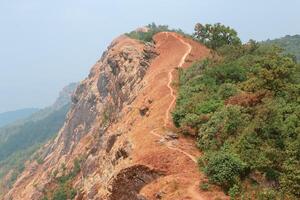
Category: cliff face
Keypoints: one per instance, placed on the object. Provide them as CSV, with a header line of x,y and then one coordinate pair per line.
x,y
119,127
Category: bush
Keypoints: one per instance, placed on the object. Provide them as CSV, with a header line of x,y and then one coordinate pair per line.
x,y
267,194
216,35
224,169
208,106
227,90
60,194
234,191
204,186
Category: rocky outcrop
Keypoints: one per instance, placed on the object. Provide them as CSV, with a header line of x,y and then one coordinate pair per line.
x,y
129,181
114,82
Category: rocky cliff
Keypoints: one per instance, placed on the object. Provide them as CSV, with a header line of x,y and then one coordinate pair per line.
x,y
118,142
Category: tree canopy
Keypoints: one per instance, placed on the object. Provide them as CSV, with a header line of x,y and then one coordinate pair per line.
x,y
216,35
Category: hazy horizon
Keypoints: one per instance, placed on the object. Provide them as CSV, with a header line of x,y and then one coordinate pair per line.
x,y
45,45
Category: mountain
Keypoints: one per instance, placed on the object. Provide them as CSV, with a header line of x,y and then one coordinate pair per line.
x,y
291,44
20,140
161,116
118,141
12,116
63,99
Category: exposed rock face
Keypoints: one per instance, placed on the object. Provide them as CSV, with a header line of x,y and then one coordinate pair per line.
x,y
114,82
115,124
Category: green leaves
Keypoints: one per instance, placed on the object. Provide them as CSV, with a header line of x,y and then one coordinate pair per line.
x,y
224,169
245,109
216,35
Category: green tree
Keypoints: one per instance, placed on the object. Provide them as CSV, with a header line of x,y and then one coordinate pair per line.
x,y
216,35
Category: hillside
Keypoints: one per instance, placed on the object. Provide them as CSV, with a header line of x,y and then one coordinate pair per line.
x,y
291,44
12,116
20,140
243,108
118,141
162,116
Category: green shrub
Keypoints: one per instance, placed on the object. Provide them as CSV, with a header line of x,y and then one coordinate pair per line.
x,y
208,106
224,169
234,191
259,129
267,194
60,194
216,35
204,186
227,90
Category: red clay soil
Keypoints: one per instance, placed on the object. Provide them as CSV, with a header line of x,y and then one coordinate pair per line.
x,y
175,158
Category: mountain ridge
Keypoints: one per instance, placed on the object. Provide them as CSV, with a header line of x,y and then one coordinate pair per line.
x,y
106,147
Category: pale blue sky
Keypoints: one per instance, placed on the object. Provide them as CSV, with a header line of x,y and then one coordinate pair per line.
x,y
45,44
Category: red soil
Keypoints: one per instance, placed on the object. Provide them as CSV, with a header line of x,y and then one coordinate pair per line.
x,y
177,159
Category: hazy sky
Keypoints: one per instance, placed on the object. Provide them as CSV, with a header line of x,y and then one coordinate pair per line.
x,y
46,44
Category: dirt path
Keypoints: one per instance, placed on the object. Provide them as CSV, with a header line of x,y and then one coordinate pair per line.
x,y
169,145
193,189
172,92
182,61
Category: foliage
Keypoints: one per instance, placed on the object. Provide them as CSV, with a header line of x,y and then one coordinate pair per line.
x,y
64,189
150,30
204,186
224,169
234,191
244,106
216,35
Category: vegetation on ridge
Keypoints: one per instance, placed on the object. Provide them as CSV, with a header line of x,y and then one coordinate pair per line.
x,y
216,35
243,105
62,188
150,30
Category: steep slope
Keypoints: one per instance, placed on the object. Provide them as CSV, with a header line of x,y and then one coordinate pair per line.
x,y
119,128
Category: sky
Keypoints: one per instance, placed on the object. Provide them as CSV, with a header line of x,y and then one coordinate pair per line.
x,y
44,45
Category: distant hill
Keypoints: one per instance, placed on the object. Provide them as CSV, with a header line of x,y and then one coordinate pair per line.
x,y
291,44
12,116
20,140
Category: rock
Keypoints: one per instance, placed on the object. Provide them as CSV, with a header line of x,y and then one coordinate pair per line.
x,y
171,136
93,191
159,195
110,142
143,110
150,101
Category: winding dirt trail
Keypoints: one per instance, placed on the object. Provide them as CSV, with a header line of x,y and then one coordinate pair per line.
x,y
193,189
160,149
172,93
182,61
